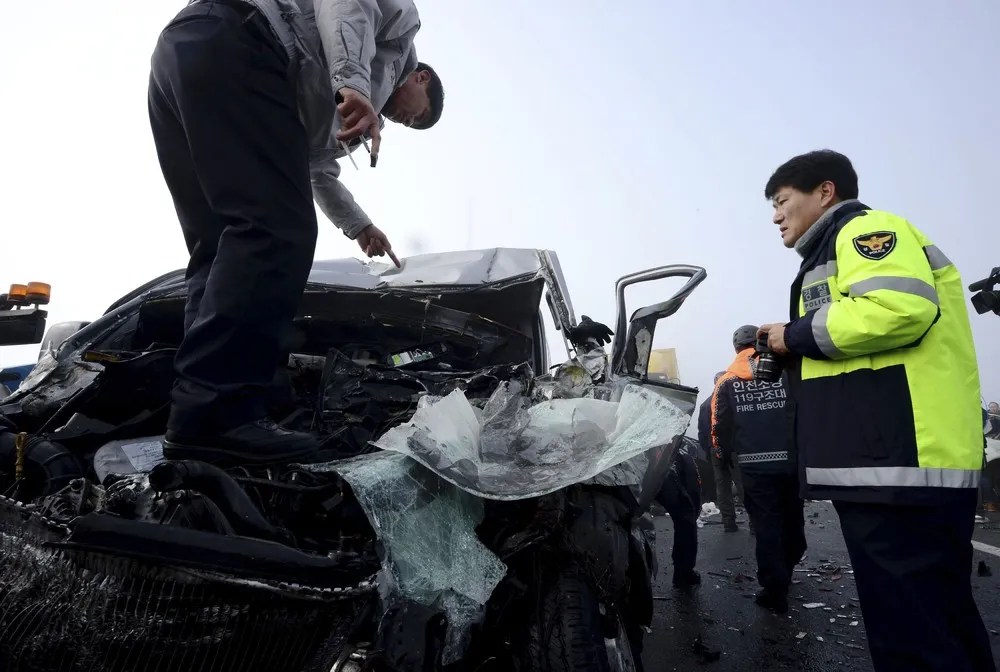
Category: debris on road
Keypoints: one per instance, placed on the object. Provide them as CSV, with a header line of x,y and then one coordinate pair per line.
x,y
813,605
984,569
703,652
854,624
801,635
709,509
852,646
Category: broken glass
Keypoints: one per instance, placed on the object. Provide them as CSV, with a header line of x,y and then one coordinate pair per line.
x,y
428,530
510,449
520,450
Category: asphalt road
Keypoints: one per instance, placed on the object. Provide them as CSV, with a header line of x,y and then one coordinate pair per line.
x,y
719,628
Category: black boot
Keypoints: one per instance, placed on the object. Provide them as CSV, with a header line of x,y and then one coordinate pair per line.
x,y
685,579
772,601
261,442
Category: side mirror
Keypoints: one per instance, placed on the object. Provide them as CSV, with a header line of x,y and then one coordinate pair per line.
x,y
634,337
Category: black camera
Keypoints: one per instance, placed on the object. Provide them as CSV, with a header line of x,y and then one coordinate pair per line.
x,y
988,298
768,368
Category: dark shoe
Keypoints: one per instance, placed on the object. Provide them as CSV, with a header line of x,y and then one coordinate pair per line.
x,y
686,579
730,526
772,601
259,443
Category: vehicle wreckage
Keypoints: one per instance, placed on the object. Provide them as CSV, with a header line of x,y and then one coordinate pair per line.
x,y
475,509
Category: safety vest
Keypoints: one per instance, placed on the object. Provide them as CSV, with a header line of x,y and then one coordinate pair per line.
x,y
887,409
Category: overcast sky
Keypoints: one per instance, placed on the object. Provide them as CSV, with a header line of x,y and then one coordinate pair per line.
x,y
621,135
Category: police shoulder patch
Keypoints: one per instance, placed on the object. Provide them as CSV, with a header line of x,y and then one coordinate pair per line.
x,y
876,245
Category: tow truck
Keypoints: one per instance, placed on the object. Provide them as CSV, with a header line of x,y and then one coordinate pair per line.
x,y
23,319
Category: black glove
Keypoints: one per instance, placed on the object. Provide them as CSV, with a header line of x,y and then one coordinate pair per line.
x,y
590,329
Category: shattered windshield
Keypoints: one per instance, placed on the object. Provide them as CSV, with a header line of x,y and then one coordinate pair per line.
x,y
424,493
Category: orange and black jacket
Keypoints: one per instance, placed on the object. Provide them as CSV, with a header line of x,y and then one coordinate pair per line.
x,y
749,419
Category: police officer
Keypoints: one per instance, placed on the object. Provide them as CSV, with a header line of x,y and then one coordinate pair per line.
x,y
725,474
750,427
886,410
251,104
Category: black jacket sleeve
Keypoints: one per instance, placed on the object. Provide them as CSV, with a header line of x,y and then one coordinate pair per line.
x,y
723,429
705,429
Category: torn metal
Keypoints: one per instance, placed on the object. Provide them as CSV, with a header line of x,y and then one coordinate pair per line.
x,y
421,382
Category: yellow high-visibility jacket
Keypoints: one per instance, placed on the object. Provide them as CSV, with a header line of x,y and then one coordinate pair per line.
x,y
887,409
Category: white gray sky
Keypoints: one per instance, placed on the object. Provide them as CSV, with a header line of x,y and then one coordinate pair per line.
x,y
622,135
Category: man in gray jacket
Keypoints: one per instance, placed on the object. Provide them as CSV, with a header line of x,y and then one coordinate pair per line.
x,y
251,103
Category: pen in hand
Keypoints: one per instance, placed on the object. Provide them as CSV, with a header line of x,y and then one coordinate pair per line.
x,y
374,157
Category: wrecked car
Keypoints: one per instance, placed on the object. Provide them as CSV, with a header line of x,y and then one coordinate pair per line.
x,y
477,509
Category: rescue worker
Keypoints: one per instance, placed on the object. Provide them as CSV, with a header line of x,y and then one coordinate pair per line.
x,y
251,102
680,495
750,428
886,392
725,474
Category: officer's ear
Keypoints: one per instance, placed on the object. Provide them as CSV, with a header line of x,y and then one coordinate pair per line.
x,y
827,194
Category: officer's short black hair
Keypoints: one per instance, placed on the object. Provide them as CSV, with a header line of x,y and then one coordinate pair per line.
x,y
805,172
435,93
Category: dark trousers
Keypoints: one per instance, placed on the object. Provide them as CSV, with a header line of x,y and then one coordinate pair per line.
x,y
680,495
235,158
726,475
685,551
775,509
913,569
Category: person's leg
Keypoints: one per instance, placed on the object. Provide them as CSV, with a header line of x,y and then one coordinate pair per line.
x,y
199,224
764,502
686,522
685,551
724,493
793,523
737,475
220,89
914,596
966,623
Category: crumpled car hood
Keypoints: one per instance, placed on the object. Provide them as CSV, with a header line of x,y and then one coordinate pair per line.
x,y
463,269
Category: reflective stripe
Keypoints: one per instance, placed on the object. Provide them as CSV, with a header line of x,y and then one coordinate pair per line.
x,y
896,283
821,333
820,273
817,274
894,477
936,257
776,456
